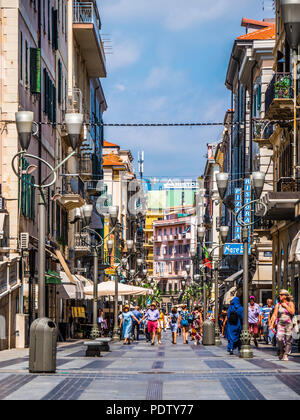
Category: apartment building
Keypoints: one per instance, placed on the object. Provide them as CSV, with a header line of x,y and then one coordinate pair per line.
x,y
52,59
175,240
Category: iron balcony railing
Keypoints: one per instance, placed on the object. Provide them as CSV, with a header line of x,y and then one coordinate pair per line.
x,y
82,241
280,87
288,184
73,185
84,12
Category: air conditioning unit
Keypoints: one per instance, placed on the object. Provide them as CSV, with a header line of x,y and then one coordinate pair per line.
x,y
24,240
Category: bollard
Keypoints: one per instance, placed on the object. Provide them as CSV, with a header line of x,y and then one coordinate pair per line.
x,y
208,337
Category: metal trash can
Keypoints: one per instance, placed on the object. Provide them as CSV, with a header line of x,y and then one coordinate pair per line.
x,y
42,347
208,337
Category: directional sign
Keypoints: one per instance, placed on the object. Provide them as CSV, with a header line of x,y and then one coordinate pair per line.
x,y
235,249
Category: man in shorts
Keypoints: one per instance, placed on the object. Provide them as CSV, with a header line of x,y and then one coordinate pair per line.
x,y
153,316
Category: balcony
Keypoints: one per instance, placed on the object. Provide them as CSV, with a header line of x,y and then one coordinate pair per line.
x,y
85,167
262,134
86,29
280,205
279,102
82,242
72,195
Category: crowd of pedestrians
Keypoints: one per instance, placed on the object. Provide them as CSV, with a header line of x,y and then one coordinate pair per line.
x,y
272,324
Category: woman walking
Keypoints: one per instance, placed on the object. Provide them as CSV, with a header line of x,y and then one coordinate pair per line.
x,y
126,321
184,323
234,325
196,327
174,321
284,312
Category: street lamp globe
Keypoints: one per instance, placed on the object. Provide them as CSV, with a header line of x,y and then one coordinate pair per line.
x,y
222,183
145,271
139,262
224,233
87,211
185,276
129,244
74,122
197,277
138,279
258,180
124,262
24,121
188,268
201,233
183,283
113,213
110,245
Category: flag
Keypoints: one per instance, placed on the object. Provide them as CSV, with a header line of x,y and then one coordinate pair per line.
x,y
206,260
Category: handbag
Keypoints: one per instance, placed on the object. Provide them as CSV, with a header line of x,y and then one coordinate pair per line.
x,y
295,324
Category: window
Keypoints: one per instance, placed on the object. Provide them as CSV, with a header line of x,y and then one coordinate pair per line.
x,y
59,82
27,193
180,229
49,92
54,16
165,232
35,70
158,252
44,15
170,250
171,231
49,34
26,63
21,56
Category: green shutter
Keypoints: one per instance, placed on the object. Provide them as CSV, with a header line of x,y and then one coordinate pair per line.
x,y
54,104
45,90
59,82
35,70
259,97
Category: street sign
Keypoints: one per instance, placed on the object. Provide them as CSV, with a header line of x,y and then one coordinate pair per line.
x,y
235,249
81,270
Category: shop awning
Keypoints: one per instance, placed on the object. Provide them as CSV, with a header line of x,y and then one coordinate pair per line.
x,y
68,290
229,296
263,274
294,256
52,277
234,276
107,288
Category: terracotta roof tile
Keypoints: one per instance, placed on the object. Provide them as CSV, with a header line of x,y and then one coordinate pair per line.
x,y
112,160
108,144
248,22
261,34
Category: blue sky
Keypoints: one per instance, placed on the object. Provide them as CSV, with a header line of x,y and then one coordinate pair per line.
x,y
169,64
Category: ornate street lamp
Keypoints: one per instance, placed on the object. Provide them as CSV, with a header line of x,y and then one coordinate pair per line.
x,y
258,180
222,179
201,233
74,122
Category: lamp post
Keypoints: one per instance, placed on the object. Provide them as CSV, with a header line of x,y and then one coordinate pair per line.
x,y
258,179
86,214
24,123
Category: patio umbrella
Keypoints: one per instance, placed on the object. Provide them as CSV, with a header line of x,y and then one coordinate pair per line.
x,y
107,288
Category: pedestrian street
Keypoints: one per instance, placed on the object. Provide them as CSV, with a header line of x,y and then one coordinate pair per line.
x,y
162,372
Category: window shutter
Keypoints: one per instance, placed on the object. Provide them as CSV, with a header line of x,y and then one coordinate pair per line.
x,y
35,70
59,82
54,29
45,90
21,56
54,104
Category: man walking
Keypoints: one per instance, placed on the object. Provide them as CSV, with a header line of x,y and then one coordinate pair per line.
x,y
253,318
135,325
153,316
265,312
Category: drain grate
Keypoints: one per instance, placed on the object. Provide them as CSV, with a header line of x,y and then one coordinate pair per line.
x,y
154,391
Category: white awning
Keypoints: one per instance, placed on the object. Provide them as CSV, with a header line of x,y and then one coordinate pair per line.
x,y
234,276
68,290
107,288
294,255
263,274
229,296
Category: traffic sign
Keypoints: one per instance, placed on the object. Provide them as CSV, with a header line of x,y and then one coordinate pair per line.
x,y
235,249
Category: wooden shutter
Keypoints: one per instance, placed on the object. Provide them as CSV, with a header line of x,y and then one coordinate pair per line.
x,y
54,104
54,29
35,70
45,90
59,82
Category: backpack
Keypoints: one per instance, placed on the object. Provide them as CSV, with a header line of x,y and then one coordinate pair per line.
x,y
233,318
191,319
185,316
174,319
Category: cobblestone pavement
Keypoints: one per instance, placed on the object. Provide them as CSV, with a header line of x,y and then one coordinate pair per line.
x,y
161,372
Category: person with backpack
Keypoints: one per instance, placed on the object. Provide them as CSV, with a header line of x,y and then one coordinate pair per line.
x,y
185,324
174,321
234,325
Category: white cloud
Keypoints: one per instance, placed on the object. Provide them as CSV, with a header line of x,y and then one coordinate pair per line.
x,y
120,87
161,76
125,53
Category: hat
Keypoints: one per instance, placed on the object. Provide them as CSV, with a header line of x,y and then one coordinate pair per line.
x,y
284,292
252,297
153,304
126,307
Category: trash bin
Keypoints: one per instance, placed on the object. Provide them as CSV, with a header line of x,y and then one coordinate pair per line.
x,y
42,347
208,337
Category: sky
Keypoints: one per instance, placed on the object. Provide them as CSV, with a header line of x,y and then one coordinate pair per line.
x,y
168,64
